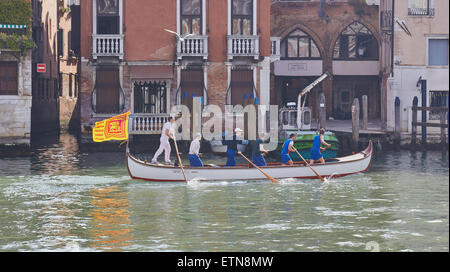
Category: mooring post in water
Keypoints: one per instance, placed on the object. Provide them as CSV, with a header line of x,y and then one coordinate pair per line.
x,y
355,123
414,121
322,112
442,119
423,84
397,120
365,108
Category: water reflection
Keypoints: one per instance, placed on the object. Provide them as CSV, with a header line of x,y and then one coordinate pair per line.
x,y
109,228
60,199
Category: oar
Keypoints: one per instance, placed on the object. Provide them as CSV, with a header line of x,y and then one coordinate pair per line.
x,y
179,159
321,178
265,174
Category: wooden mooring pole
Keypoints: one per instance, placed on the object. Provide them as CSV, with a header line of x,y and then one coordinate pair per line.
x,y
365,108
355,124
414,120
397,121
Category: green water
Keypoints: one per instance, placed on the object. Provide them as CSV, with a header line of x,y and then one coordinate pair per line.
x,y
62,200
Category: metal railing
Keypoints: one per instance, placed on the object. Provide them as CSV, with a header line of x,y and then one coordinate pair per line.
x,y
107,45
243,46
421,11
193,46
147,123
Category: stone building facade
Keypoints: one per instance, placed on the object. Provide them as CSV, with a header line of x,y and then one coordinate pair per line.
x,y
339,37
16,99
15,86
420,61
130,63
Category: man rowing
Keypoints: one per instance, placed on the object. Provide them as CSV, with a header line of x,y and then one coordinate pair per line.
x,y
232,147
164,145
258,151
315,155
194,149
288,147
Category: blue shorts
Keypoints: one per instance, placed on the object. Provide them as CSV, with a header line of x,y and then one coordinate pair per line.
x,y
195,161
259,160
315,155
231,158
285,158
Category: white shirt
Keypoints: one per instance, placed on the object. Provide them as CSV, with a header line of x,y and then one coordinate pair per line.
x,y
195,147
167,127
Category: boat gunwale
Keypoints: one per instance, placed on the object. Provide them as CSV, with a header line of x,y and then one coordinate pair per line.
x,y
365,154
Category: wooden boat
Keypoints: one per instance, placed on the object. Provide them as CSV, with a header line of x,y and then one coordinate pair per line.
x,y
339,167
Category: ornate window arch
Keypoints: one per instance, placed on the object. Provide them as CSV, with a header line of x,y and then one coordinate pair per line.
x,y
356,41
299,45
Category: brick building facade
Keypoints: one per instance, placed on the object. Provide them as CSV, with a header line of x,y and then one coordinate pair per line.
x,y
130,63
337,37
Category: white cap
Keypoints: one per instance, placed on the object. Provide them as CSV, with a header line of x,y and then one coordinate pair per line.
x,y
238,130
198,135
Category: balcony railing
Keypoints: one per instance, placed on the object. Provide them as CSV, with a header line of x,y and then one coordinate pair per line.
x,y
107,45
421,11
147,123
243,46
275,52
193,46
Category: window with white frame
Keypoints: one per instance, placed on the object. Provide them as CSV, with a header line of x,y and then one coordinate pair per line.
x,y
438,52
191,17
108,18
299,45
420,7
242,17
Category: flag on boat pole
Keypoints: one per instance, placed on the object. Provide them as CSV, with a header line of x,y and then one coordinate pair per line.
x,y
115,128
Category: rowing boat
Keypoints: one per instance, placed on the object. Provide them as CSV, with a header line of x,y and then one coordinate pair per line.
x,y
338,167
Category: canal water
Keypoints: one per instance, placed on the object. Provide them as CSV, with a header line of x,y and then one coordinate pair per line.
x,y
60,199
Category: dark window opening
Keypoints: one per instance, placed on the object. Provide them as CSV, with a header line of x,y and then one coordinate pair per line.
x,y
192,85
150,97
8,78
242,87
107,90
108,19
356,42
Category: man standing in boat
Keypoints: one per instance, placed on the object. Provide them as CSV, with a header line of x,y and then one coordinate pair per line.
x,y
232,147
258,152
194,149
315,155
164,145
288,147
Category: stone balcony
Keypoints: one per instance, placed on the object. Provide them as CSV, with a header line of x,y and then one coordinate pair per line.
x,y
193,46
107,45
243,46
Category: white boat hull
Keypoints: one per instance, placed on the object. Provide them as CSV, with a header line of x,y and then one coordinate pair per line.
x,y
344,166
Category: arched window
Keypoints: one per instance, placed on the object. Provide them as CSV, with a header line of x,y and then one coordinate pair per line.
x,y
299,45
356,42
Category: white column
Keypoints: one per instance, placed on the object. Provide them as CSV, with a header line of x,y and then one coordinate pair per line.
x,y
229,17
264,82
255,16
204,17
178,16
121,18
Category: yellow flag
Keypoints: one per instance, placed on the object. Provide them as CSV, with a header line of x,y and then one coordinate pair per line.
x,y
115,128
